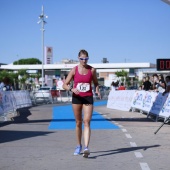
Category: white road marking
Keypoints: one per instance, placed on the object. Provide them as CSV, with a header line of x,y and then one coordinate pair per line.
x,y
124,130
133,144
138,155
116,123
120,126
128,136
144,166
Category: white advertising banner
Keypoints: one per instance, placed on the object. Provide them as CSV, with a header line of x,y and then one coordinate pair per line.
x,y
165,109
120,99
143,100
158,104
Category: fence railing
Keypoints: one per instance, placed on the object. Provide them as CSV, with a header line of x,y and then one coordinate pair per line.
x,y
10,101
58,96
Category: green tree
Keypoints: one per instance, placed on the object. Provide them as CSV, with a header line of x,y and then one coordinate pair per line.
x,y
22,72
7,74
121,73
23,76
27,61
4,74
14,79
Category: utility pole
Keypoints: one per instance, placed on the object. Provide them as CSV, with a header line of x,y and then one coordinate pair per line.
x,y
42,21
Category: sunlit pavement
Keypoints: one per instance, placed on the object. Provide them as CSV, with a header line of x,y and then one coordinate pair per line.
x,y
29,144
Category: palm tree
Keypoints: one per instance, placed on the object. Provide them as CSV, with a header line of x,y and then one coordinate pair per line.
x,y
14,79
123,74
23,76
4,74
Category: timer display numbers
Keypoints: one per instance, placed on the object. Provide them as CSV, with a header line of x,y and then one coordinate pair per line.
x,y
163,64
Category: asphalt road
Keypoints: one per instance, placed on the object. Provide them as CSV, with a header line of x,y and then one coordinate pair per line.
x,y
28,144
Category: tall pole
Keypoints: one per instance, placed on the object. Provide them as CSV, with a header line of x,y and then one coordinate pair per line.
x,y
42,21
42,29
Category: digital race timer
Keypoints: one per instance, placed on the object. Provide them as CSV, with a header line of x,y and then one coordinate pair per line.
x,y
163,64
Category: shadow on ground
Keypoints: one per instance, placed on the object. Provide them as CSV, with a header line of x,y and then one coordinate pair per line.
x,y
132,119
22,117
120,150
9,136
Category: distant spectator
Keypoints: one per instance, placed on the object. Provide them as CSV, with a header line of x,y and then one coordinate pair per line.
x,y
140,88
147,84
155,82
162,83
7,86
167,90
1,85
121,87
143,81
152,82
159,83
114,86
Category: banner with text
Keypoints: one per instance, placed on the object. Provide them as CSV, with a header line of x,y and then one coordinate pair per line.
x,y
147,101
120,99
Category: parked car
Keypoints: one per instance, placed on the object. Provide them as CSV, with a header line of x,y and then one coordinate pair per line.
x,y
43,93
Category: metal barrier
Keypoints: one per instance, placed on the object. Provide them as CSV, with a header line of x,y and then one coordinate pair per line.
x,y
104,95
59,96
10,101
51,96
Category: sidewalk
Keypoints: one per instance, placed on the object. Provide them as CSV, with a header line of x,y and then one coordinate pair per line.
x,y
28,144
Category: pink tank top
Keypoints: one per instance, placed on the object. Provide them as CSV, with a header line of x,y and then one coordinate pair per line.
x,y
83,83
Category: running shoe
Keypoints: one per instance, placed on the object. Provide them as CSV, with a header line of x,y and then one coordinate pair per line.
x,y
86,152
78,150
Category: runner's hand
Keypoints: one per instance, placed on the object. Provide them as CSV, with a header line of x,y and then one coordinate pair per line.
x,y
75,90
99,95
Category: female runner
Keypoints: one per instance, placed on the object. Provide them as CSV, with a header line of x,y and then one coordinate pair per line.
x,y
82,98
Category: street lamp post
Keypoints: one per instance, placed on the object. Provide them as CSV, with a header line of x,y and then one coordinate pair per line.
x,y
42,21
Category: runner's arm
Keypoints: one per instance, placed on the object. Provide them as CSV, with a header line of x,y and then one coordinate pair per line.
x,y
67,81
95,81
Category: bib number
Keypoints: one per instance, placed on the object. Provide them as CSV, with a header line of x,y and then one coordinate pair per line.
x,y
83,87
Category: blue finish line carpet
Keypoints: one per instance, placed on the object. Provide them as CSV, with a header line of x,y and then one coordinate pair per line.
x,y
63,119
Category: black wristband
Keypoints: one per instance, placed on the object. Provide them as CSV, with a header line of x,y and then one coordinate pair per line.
x,y
70,89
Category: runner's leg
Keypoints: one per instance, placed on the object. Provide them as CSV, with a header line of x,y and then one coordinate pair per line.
x,y
87,109
77,108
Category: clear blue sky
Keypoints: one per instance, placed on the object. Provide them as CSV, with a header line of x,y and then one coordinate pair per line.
x,y
119,30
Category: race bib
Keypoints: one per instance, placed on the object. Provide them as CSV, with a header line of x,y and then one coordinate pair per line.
x,y
83,87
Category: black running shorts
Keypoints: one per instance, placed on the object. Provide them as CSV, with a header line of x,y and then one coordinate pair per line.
x,y
82,100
